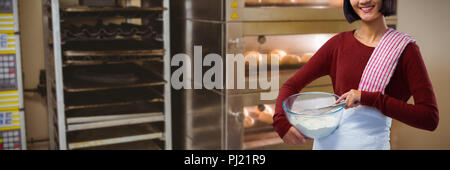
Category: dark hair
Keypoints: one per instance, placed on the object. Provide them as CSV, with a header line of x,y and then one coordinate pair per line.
x,y
388,8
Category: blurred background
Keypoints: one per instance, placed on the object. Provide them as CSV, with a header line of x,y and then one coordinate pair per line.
x,y
191,119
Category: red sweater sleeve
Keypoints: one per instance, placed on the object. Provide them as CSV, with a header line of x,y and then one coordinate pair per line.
x,y
423,113
318,66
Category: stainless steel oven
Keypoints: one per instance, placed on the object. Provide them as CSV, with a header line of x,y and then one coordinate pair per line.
x,y
107,87
239,119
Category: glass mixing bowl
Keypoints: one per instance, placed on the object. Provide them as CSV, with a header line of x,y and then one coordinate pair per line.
x,y
311,114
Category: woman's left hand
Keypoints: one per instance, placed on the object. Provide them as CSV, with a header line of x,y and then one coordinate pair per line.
x,y
352,99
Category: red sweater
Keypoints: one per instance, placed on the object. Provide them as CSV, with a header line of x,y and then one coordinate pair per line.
x,y
344,59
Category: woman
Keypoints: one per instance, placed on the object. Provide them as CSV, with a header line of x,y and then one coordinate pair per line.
x,y
349,58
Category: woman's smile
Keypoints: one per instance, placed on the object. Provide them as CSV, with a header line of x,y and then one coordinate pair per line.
x,y
367,9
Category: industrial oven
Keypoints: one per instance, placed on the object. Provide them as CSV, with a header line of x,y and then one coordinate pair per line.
x,y
238,118
108,83
12,120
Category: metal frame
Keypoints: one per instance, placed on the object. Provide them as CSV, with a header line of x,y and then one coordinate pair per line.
x,y
59,83
167,72
118,117
93,143
117,122
59,126
49,75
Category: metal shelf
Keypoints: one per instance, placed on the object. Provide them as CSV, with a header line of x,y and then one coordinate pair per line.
x,y
112,53
135,145
111,31
112,48
83,9
108,98
111,121
78,12
113,135
111,141
95,119
108,113
113,76
84,61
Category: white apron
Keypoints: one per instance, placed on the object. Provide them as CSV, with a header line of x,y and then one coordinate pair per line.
x,y
365,127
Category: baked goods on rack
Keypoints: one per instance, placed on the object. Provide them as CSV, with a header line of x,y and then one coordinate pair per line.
x,y
265,113
252,58
306,57
248,120
290,60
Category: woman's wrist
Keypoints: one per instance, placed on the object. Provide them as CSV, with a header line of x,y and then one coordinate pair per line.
x,y
281,125
369,98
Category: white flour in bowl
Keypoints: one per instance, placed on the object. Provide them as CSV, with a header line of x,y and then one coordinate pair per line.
x,y
315,126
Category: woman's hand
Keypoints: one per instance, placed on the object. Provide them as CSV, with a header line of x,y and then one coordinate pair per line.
x,y
293,137
352,99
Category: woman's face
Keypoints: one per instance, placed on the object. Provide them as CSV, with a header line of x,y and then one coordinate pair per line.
x,y
367,10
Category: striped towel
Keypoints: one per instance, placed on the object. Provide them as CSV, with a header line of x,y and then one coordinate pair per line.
x,y
383,61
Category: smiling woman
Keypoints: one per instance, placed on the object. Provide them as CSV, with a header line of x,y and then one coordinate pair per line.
x,y
375,69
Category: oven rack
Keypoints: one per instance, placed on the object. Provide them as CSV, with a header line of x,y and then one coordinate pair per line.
x,y
108,77
269,68
108,98
95,118
112,10
112,113
84,12
97,60
112,121
114,135
111,51
111,30
73,87
110,47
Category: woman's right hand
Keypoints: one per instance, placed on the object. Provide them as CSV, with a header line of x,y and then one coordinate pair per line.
x,y
293,137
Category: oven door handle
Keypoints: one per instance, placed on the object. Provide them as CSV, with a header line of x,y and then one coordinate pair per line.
x,y
239,116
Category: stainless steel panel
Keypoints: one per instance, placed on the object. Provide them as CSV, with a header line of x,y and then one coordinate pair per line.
x,y
197,114
204,121
234,122
190,33
198,9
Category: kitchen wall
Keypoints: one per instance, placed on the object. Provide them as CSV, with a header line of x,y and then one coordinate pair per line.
x,y
428,22
32,38
30,16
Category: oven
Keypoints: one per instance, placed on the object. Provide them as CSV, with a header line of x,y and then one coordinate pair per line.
x,y
238,118
106,83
